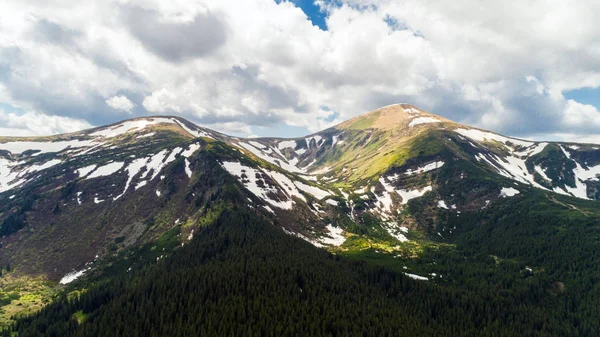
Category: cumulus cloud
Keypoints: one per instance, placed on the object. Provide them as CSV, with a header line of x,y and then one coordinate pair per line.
x,y
245,66
175,39
120,103
37,124
162,101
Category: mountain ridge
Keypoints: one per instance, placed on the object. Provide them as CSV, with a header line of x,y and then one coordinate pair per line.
x,y
379,167
114,199
341,125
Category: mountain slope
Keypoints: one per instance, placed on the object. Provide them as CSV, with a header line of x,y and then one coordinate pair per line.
x,y
113,178
240,277
397,187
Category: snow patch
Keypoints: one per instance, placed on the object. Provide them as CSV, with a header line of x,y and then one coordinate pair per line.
x,y
173,155
44,147
581,175
146,135
286,144
298,235
423,120
72,276
128,126
141,184
7,178
334,140
407,195
384,202
258,145
416,277
251,177
276,161
157,162
425,168
542,173
11,178
286,184
254,180
46,165
188,171
196,133
511,167
336,238
132,170
442,204
315,191
332,202
190,150
508,192
106,170
532,151
317,139
482,136
396,231
84,171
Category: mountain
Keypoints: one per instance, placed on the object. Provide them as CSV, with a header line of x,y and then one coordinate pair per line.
x,y
500,230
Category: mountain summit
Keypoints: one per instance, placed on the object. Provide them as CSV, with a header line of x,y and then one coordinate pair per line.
x,y
396,116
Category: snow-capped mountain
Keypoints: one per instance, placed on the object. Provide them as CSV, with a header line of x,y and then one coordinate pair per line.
x,y
70,200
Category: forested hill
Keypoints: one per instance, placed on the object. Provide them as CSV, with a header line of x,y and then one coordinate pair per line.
x,y
242,277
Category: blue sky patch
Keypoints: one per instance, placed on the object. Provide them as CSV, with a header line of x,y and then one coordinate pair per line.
x,y
589,96
312,11
280,131
11,108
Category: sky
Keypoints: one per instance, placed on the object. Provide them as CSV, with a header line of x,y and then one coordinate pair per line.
x,y
281,68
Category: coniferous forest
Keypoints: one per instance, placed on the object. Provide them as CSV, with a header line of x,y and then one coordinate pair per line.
x,y
240,276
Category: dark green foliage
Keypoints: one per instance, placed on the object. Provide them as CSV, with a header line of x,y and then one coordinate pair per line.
x,y
68,189
562,243
18,218
241,277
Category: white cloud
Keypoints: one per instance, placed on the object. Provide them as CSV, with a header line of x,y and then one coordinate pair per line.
x,y
162,101
37,124
499,65
578,116
120,103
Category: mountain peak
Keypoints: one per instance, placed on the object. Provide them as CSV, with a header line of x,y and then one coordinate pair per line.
x,y
147,125
395,116
129,126
141,127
